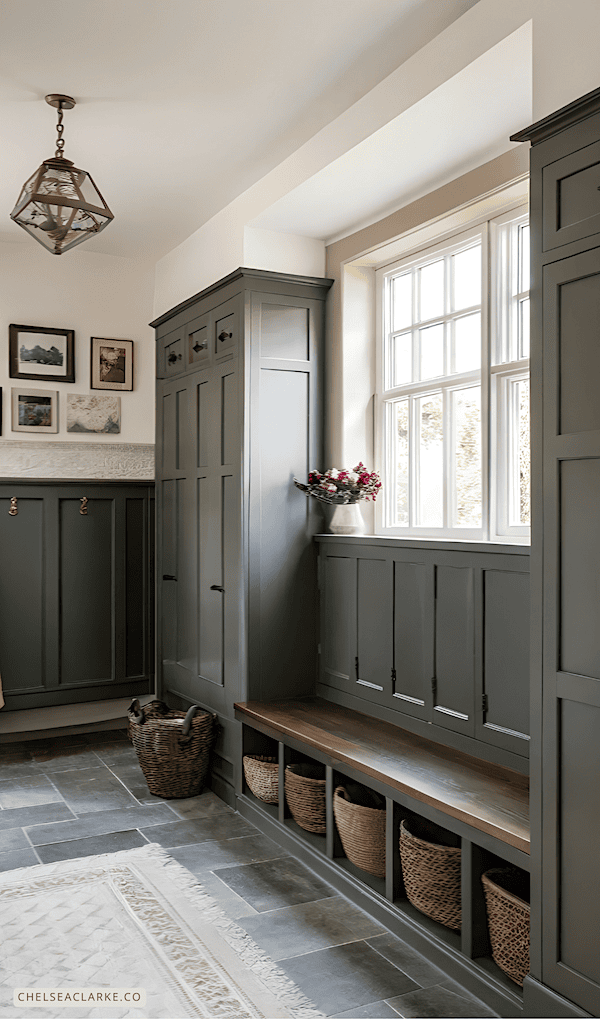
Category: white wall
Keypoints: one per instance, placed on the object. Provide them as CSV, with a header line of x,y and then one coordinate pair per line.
x,y
95,295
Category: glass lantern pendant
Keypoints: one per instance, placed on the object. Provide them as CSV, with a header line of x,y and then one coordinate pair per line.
x,y
60,205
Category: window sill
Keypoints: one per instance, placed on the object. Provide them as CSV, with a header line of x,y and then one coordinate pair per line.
x,y
467,545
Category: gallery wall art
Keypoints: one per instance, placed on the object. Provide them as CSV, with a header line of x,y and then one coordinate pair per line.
x,y
93,413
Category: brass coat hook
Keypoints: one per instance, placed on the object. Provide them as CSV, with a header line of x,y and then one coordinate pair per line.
x,y
84,502
13,506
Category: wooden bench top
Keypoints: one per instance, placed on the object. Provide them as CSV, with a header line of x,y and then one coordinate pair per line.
x,y
488,797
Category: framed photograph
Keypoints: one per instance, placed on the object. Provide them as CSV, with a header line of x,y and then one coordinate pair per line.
x,y
34,410
41,352
93,413
112,364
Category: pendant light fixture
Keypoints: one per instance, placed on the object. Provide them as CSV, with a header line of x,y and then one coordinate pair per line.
x,y
60,205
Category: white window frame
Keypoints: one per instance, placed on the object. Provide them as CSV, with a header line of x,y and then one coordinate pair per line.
x,y
496,375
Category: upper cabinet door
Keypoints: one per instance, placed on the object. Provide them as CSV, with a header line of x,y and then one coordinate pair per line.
x,y
454,677
413,623
375,615
571,197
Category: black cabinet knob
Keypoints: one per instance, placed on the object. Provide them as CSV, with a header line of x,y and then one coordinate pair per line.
x,y
173,358
216,587
169,577
224,335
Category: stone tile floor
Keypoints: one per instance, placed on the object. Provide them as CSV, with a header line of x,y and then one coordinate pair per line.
x,y
73,796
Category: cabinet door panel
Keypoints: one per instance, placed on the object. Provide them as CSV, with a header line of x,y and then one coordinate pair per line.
x,y
338,638
571,198
412,659
210,601
506,658
86,591
22,596
579,650
374,629
578,311
454,649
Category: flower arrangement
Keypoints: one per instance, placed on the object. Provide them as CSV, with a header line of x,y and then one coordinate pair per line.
x,y
339,487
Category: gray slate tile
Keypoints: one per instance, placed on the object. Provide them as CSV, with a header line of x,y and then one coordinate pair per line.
x,y
21,768
406,959
213,855
13,839
27,791
73,758
304,928
107,843
199,830
230,903
344,978
97,822
438,1001
205,805
12,818
278,883
132,777
117,752
18,859
374,1011
94,789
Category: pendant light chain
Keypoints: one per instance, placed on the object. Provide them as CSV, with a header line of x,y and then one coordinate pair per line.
x,y
60,142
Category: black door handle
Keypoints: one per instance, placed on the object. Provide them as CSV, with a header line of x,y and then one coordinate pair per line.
x,y
169,577
217,587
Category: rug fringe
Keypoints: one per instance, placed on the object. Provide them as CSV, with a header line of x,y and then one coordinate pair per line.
x,y
261,965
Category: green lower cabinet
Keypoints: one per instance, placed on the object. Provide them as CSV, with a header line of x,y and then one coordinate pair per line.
x,y
76,591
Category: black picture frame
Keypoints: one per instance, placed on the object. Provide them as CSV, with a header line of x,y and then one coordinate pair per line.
x,y
111,364
47,344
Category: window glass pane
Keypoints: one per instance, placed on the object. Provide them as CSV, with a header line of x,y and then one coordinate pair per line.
x,y
402,364
431,462
524,257
521,482
466,415
400,425
432,351
467,278
467,343
432,290
402,301
524,328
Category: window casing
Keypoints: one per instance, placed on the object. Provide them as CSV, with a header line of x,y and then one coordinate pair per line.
x,y
452,401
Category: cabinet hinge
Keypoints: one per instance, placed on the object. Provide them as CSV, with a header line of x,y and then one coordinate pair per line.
x,y
318,649
356,666
484,703
393,676
433,686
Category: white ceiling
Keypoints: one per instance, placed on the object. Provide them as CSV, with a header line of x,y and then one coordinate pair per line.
x,y
183,105
460,125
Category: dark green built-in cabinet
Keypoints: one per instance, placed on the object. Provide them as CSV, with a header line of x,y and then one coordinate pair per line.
x,y
239,413
565,563
76,591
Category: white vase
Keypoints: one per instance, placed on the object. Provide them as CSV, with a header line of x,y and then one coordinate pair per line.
x,y
347,520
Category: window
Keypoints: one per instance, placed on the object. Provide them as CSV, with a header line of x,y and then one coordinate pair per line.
x,y
453,387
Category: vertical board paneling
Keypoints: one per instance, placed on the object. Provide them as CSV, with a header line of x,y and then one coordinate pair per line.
x,y
580,567
410,592
22,595
287,595
210,603
202,407
168,620
169,449
136,585
86,595
374,623
186,575
579,902
454,648
338,637
229,433
230,571
506,649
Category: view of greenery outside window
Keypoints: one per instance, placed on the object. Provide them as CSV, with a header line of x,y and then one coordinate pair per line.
x,y
453,387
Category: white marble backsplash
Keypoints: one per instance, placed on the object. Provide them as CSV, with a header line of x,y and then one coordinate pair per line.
x,y
34,459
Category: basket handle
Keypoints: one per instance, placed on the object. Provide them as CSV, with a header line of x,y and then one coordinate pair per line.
x,y
136,712
187,722
340,791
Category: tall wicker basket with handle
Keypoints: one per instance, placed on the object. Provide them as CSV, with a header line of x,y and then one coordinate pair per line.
x,y
173,748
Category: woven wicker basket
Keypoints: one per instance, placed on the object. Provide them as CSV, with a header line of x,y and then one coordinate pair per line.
x,y
508,920
362,832
173,748
305,794
262,776
431,872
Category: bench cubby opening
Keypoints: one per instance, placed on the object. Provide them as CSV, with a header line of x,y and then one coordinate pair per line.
x,y
256,743
293,756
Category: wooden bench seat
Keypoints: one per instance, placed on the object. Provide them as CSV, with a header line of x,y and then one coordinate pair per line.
x,y
488,797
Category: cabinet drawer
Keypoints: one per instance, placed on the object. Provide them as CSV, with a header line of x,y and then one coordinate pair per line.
x,y
226,334
173,362
571,197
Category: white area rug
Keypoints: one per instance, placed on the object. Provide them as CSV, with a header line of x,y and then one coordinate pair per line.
x,y
135,919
